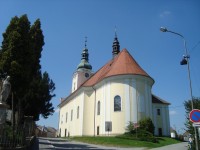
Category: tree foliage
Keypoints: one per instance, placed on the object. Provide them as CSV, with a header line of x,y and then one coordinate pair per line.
x,y
188,109
147,125
20,59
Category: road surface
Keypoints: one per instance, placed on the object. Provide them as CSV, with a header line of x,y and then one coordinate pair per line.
x,y
63,144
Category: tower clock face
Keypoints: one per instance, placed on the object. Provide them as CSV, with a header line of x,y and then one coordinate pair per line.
x,y
86,75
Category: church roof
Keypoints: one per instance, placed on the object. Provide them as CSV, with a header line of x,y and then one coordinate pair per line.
x,y
158,100
122,64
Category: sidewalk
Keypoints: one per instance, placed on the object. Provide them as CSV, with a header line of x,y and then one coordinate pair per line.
x,y
179,146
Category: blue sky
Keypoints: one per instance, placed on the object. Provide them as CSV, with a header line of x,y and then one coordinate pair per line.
x,y
65,23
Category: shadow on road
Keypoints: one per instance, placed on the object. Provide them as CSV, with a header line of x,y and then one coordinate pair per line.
x,y
60,144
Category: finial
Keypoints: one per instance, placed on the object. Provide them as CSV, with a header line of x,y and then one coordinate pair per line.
x,y
85,41
115,31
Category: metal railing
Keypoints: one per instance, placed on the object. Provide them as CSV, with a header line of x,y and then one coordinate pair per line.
x,y
10,139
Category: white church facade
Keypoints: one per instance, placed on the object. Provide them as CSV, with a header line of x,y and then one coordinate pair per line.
x,y
104,102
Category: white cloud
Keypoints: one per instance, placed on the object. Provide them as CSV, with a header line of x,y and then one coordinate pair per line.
x,y
172,112
165,13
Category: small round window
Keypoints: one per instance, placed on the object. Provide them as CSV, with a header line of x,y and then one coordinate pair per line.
x,y
86,75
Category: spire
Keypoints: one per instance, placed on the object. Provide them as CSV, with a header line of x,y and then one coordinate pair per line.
x,y
116,46
84,64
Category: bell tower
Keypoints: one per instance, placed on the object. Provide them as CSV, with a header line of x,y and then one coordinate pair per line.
x,y
83,71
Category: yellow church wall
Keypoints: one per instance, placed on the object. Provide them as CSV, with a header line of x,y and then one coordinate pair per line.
x,y
139,95
63,124
100,119
117,117
134,91
105,93
88,113
76,123
124,87
70,122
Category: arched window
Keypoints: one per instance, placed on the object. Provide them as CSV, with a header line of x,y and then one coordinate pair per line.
x,y
98,108
117,103
77,112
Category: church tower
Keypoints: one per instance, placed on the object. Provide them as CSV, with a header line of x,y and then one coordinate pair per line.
x,y
83,71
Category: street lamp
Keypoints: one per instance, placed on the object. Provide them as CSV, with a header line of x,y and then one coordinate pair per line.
x,y
185,61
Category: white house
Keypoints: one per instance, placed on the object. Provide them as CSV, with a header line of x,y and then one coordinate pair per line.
x,y
105,101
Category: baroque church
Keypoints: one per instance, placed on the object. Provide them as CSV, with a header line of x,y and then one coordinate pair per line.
x,y
104,102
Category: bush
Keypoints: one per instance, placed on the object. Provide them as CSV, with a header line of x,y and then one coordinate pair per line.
x,y
146,136
143,132
130,128
147,125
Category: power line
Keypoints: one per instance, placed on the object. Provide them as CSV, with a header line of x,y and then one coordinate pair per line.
x,y
193,48
176,106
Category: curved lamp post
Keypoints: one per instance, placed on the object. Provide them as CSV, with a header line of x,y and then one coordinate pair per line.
x,y
185,61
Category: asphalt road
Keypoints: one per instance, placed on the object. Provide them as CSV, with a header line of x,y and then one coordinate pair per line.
x,y
61,144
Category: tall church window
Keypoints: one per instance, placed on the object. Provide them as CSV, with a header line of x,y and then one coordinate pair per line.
x,y
158,112
77,112
66,116
117,103
61,119
71,114
98,108
65,132
97,130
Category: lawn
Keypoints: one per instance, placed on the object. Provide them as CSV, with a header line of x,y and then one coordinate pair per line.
x,y
122,142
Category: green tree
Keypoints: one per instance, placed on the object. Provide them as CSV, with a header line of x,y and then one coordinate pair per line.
x,y
146,124
20,58
188,109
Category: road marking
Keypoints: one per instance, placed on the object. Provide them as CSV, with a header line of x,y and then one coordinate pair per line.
x,y
51,146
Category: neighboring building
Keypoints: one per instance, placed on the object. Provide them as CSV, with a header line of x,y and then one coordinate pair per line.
x,y
104,102
186,136
173,133
42,131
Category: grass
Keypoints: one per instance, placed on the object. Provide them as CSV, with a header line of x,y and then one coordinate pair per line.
x,y
123,142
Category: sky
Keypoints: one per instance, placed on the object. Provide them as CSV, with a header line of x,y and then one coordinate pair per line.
x,y
66,23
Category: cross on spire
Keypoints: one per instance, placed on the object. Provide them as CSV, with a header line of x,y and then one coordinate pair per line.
x,y
86,41
115,31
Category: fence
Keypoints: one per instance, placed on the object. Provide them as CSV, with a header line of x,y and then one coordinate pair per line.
x,y
10,139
